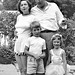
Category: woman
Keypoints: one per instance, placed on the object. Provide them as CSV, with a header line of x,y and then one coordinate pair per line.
x,y
23,32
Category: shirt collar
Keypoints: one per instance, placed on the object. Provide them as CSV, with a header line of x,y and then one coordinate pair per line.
x,y
45,7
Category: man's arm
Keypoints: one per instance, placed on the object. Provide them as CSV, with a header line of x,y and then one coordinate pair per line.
x,y
59,15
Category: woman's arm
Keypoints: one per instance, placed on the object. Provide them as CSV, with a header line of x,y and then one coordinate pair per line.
x,y
64,62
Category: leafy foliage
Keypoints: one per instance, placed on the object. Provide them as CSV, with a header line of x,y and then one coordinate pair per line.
x,y
69,41
7,54
7,26
10,4
70,55
7,22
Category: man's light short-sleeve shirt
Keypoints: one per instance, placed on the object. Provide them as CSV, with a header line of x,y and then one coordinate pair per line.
x,y
50,17
36,45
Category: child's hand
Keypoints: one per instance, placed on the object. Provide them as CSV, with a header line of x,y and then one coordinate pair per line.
x,y
36,57
42,56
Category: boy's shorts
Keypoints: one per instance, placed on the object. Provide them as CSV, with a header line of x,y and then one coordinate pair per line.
x,y
34,66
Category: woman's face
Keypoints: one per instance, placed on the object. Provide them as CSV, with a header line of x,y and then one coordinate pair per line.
x,y
56,43
24,7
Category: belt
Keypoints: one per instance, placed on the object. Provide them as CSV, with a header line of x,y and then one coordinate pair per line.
x,y
21,54
47,31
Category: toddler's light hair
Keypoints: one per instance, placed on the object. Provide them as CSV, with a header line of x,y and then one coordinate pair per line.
x,y
35,24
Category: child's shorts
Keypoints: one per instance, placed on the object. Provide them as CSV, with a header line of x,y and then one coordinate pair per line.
x,y
34,66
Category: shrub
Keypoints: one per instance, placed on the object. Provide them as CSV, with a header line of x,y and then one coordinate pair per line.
x,y
6,55
70,55
7,26
69,41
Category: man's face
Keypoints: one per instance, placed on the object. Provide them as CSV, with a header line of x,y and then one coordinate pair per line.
x,y
40,3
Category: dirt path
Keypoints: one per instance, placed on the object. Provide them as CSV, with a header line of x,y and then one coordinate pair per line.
x,y
8,70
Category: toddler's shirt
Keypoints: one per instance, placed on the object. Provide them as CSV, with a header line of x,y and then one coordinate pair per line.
x,y
36,45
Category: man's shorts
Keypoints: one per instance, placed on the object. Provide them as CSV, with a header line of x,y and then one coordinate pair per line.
x,y
34,66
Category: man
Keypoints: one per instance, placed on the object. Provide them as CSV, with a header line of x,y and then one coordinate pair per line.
x,y
50,18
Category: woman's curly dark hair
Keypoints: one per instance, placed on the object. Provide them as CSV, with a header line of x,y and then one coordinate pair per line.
x,y
29,4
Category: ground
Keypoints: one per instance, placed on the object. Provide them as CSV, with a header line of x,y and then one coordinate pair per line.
x,y
10,69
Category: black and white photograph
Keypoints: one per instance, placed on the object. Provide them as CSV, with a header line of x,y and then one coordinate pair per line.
x,y
37,37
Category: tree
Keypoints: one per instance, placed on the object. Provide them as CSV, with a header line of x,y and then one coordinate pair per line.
x,y
10,4
7,22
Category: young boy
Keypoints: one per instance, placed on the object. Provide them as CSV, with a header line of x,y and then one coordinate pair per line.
x,y
35,49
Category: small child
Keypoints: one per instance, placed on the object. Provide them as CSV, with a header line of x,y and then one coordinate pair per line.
x,y
35,49
58,64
